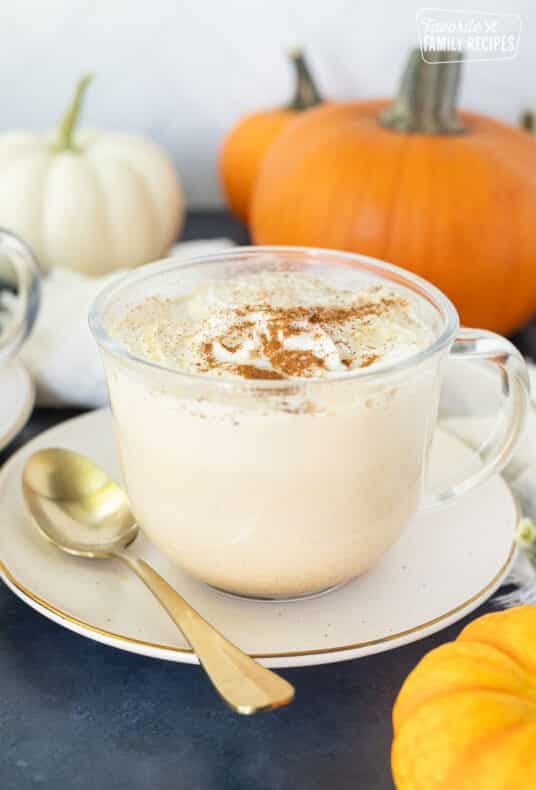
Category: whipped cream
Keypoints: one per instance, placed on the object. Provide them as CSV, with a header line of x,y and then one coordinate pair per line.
x,y
274,325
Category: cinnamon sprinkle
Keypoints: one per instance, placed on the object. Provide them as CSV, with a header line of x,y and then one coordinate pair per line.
x,y
281,322
251,372
368,360
321,314
208,355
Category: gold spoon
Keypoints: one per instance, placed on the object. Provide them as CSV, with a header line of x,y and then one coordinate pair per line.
x,y
83,512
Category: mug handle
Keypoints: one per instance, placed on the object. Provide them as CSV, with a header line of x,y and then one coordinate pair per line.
x,y
28,274
498,448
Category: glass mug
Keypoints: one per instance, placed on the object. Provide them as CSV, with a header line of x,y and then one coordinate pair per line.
x,y
18,268
276,489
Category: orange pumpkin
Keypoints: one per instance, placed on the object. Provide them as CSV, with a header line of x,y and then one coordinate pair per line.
x,y
247,143
450,197
465,718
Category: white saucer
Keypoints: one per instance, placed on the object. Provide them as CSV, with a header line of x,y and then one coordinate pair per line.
x,y
17,395
445,564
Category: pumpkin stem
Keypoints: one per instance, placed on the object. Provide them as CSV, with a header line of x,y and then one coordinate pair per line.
x,y
64,141
526,120
427,97
305,93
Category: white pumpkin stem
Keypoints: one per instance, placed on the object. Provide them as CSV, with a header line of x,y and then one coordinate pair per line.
x,y
64,141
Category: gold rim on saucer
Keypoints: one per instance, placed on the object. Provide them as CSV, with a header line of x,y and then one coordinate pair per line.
x,y
16,585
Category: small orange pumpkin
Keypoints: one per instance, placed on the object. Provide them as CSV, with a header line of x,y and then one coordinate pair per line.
x,y
451,197
246,144
465,718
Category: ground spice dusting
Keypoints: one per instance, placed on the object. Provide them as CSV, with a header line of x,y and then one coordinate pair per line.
x,y
251,372
207,351
283,322
332,315
368,360
275,325
296,363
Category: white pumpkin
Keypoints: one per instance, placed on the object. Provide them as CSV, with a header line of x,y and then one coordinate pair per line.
x,y
91,201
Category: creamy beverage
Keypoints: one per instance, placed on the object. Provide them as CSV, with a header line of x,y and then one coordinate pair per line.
x,y
257,449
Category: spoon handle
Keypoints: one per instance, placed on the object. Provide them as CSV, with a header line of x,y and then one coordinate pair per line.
x,y
244,684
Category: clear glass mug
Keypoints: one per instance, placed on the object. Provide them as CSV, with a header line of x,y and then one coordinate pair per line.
x,y
280,489
20,271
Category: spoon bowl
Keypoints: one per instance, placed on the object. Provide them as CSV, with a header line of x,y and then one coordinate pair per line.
x,y
82,511
76,505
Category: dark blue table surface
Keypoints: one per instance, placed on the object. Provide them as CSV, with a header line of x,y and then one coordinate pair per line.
x,y
78,715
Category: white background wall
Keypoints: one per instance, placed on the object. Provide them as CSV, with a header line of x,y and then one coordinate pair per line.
x,y
183,71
